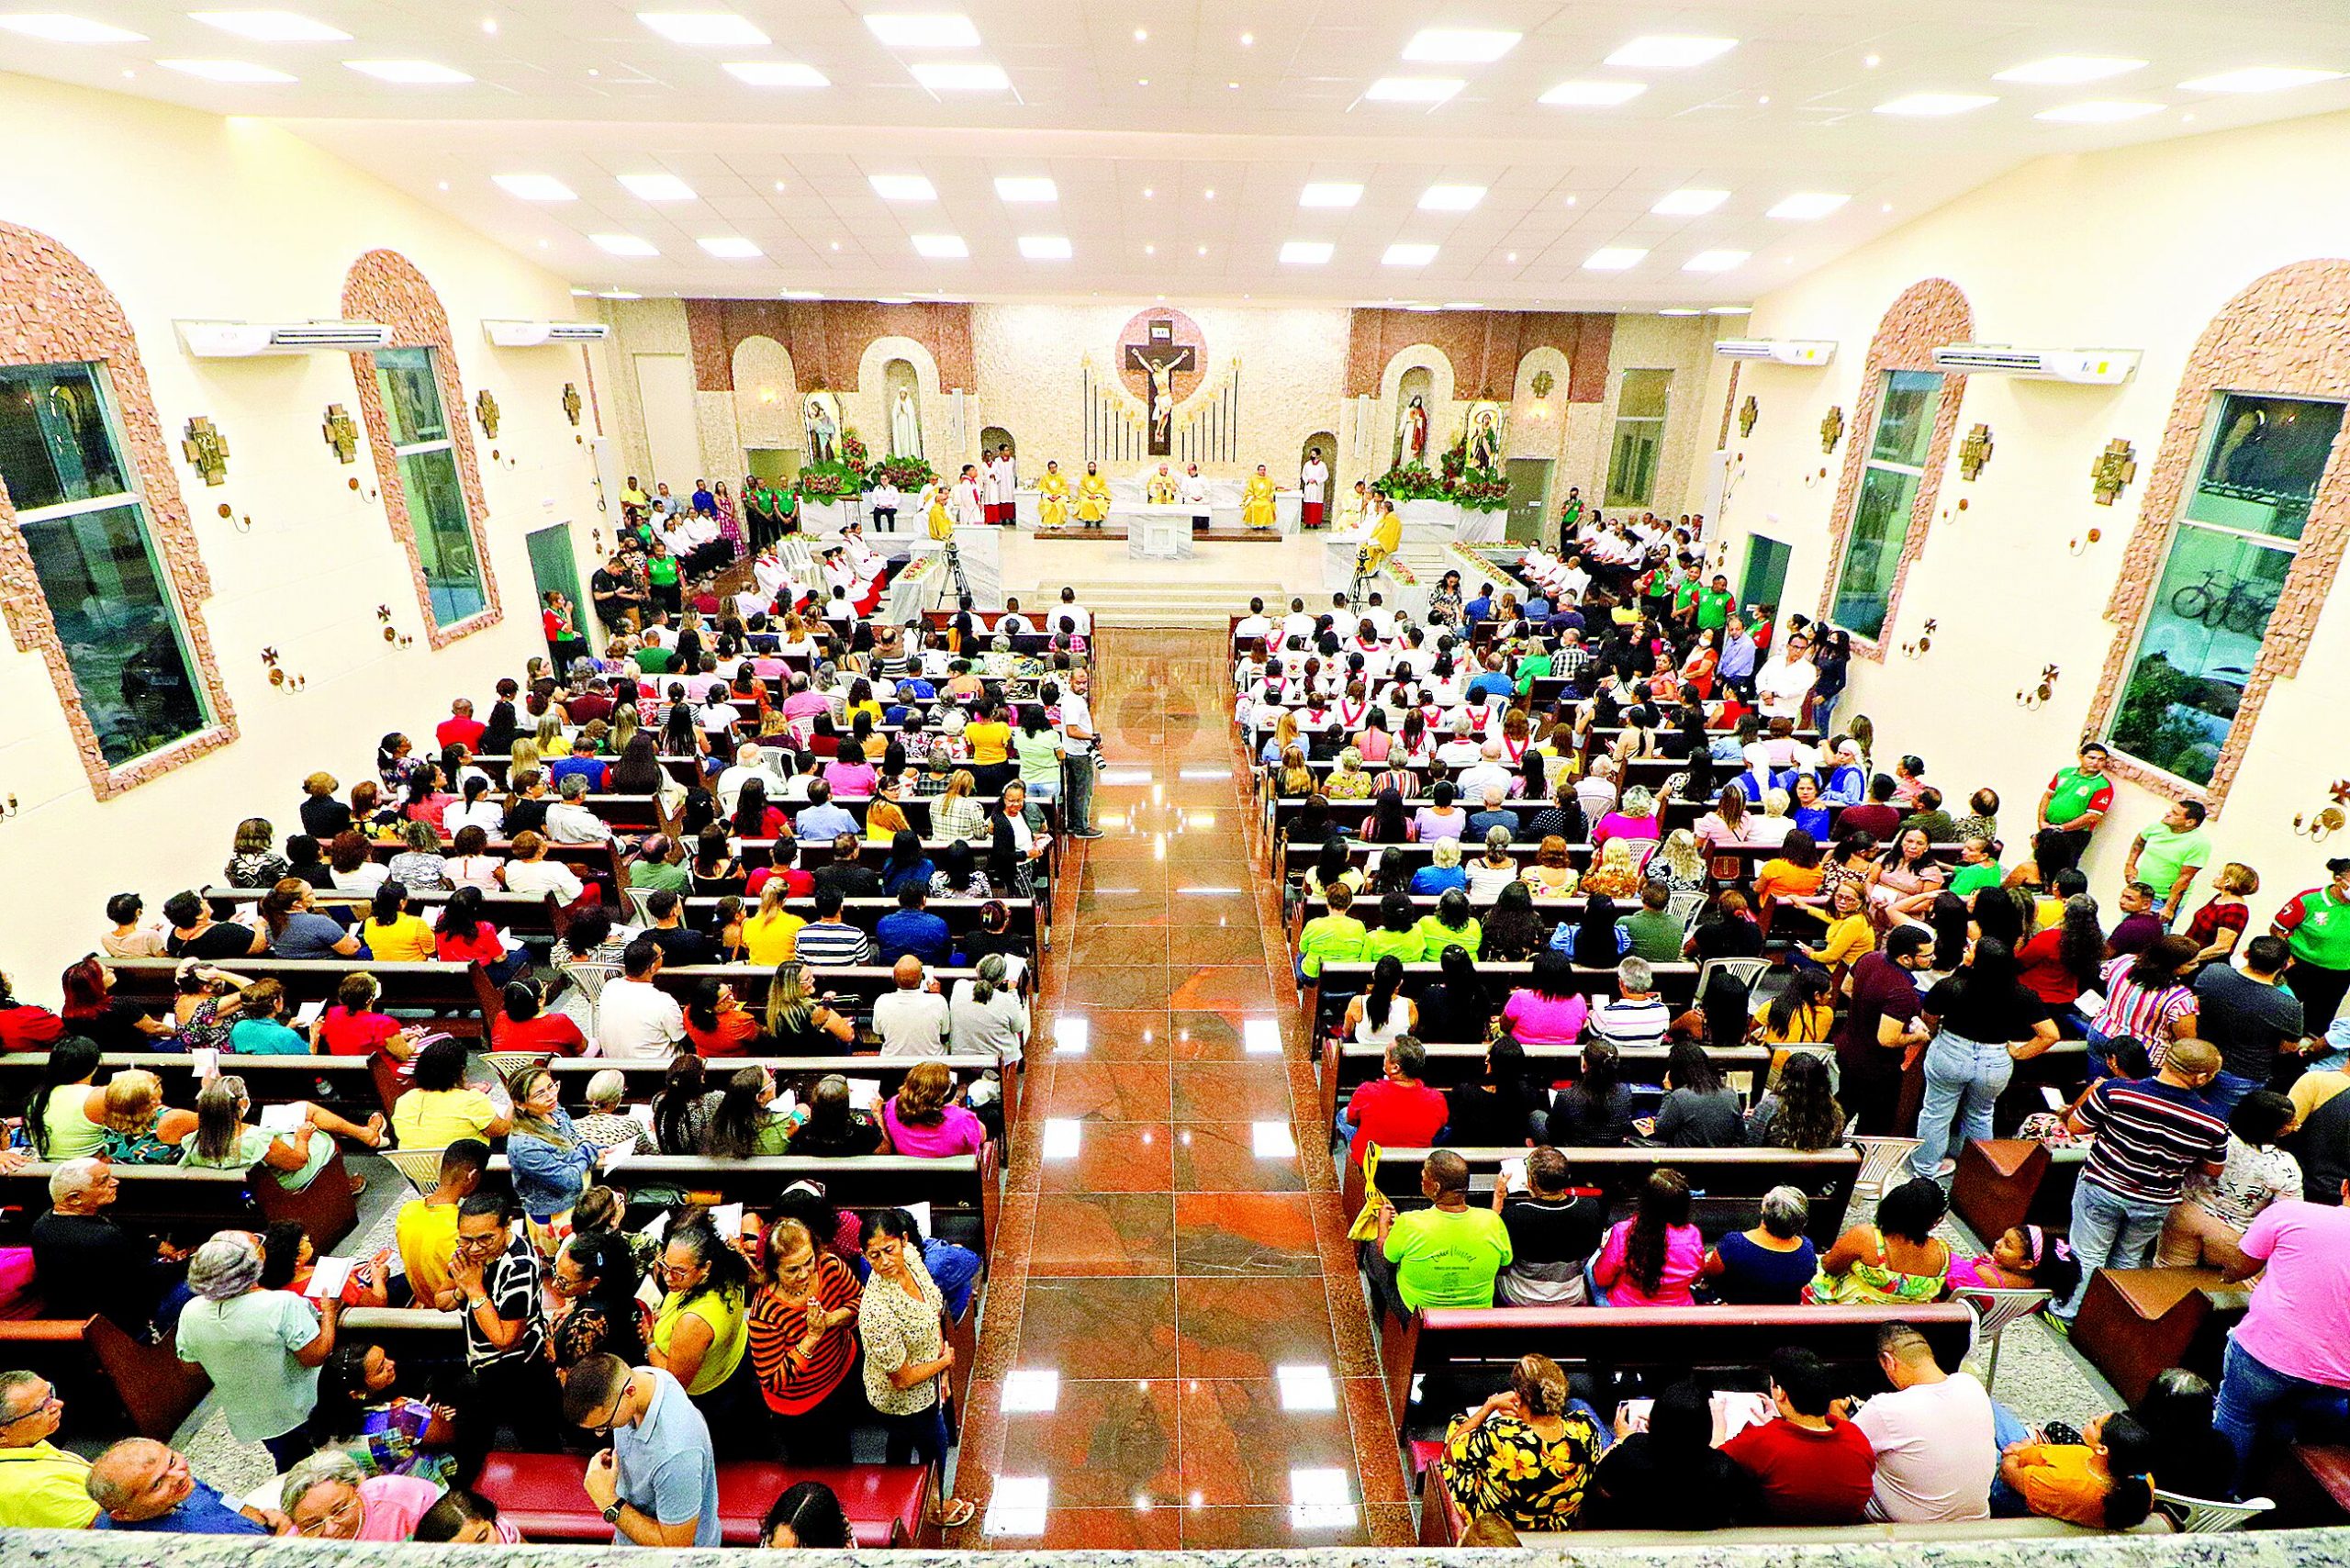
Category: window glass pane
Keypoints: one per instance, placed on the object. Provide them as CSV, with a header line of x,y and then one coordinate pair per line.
x,y
1880,527
55,445
2203,631
1631,463
1905,419
1643,394
2262,464
436,509
411,397
121,638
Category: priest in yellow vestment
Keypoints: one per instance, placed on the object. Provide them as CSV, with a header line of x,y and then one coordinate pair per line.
x,y
1092,497
941,521
1159,490
1385,535
1052,498
1256,499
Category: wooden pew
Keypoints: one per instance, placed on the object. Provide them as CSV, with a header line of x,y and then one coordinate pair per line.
x,y
116,1385
192,1205
1325,1010
1346,1069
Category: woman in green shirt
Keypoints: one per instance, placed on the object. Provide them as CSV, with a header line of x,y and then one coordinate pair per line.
x,y
1398,933
1038,748
224,1141
661,573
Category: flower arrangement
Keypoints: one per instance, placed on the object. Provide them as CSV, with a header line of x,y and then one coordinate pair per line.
x,y
1410,482
1479,489
907,473
828,481
852,448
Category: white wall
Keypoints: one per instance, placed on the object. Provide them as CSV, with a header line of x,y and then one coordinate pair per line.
x,y
184,216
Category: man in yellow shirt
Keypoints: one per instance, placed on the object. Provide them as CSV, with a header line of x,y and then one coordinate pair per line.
x,y
41,1485
1093,497
425,1231
1052,497
1256,499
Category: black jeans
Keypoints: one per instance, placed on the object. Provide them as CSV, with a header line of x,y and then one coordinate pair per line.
x,y
819,1435
921,1435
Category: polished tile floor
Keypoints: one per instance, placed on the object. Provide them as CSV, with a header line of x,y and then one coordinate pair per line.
x,y
1175,1350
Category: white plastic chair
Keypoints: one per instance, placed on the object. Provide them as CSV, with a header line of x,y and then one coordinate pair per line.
x,y
421,1166
1994,1308
1745,970
1880,1159
504,1063
2201,1516
1684,908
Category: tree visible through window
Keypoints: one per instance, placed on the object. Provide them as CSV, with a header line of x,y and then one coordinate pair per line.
x,y
2230,552
77,504
1881,518
1640,437
427,457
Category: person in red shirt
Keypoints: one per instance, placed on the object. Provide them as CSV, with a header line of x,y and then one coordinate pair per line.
x,y
353,1027
523,1024
1395,1110
1809,1466
460,728
24,1026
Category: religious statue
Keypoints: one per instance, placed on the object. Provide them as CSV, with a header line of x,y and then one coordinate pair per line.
x,y
823,422
1092,497
1161,371
1159,490
905,425
1412,433
1484,437
1256,499
1052,497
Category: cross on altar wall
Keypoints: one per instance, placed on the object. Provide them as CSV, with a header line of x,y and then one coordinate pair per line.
x,y
1158,360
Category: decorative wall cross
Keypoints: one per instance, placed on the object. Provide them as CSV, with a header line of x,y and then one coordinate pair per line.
x,y
1542,383
2112,471
570,404
1748,412
342,432
1831,429
486,411
207,450
1974,452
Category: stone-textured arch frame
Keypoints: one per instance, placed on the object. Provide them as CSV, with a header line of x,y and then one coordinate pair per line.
x,y
1928,314
2288,334
384,286
752,417
1542,435
62,314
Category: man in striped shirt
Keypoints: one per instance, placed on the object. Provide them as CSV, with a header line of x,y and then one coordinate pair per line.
x,y
1635,1015
831,942
2151,1134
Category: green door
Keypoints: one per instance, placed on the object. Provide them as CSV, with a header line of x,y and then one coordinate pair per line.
x,y
1766,570
1529,498
554,569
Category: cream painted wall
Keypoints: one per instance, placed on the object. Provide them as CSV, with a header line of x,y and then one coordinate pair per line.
x,y
639,326
1684,345
2130,248
189,215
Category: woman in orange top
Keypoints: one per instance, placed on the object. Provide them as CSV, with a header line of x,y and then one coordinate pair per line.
x,y
2103,1481
716,1021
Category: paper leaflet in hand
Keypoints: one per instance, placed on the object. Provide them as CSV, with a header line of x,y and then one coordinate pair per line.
x,y
1512,1173
279,1118
727,1220
205,1059
329,1277
919,1215
308,1014
864,1094
613,1158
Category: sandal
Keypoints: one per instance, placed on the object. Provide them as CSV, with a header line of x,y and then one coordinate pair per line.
x,y
954,1514
375,1130
358,1185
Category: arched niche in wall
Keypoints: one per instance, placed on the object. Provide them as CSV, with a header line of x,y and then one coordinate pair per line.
x,y
101,578
1336,486
1537,420
891,365
1422,371
767,394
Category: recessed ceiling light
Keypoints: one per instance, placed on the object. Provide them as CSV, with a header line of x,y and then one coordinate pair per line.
x,y
270,27
903,187
1571,201
1871,61
53,27
444,184
1045,247
1690,203
1306,253
1513,256
1668,51
941,247
619,294
836,244
408,72
1450,198
534,187
225,70
623,245
1459,46
1248,38
1210,193
1733,309
894,299
960,76
1329,193
1201,252
1151,250
779,185
657,187
1025,187
1401,255
777,73
703,30
2098,111
1716,261
1412,89
730,248
803,293
1804,205
1594,95
2259,79
930,29
1935,106
1145,193
2067,70
1613,258
1142,81
489,25
1681,312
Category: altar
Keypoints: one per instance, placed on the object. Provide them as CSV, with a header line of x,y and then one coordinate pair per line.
x,y
1128,506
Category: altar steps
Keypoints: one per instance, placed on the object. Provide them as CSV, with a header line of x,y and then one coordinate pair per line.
x,y
1140,602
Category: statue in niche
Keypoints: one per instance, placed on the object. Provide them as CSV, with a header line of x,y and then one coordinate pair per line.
x,y
905,425
824,422
1412,433
1485,437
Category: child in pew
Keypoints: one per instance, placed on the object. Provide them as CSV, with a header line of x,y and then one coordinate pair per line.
x,y
2026,1256
2104,1481
362,1411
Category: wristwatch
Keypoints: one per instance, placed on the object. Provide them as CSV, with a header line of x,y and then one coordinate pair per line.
x,y
612,1514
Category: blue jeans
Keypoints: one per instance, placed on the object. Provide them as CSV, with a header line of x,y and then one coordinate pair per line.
x,y
2111,1231
2253,1395
2006,1430
1964,1079
2227,1091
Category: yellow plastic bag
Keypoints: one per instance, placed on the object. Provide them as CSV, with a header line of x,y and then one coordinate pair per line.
x,y
1366,1226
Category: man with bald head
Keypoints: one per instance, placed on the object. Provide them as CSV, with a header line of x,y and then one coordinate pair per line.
x,y
912,1020
1449,1253
140,1484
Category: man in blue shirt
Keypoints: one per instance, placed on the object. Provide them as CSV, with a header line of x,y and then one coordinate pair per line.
x,y
582,763
1737,666
657,1484
822,819
140,1484
1482,607
912,929
1492,682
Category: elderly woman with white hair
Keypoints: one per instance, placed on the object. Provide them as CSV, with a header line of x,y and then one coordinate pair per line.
x,y
327,1496
1350,780
262,1347
1635,817
1774,825
605,1124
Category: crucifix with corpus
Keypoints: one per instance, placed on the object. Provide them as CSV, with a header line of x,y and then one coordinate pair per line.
x,y
1158,360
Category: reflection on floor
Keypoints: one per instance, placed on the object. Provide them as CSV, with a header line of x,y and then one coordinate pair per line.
x,y
1176,1351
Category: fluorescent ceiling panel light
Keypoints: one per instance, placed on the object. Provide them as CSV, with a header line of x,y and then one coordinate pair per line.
x,y
777,73
960,76
940,29
1614,258
2259,79
225,70
1450,198
270,27
941,247
1412,89
1716,261
1045,247
1329,193
53,27
623,245
1732,310
408,72
1025,187
534,187
1806,206
2068,70
1459,46
1935,106
1409,255
657,187
2098,111
703,30
1670,52
730,248
619,294
903,187
1681,312
1306,253
1594,95
1689,204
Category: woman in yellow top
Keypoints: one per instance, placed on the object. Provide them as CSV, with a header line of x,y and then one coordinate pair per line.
x,y
1849,932
701,1331
941,522
441,1110
1256,499
768,935
393,933
990,739
884,820
1052,497
1092,497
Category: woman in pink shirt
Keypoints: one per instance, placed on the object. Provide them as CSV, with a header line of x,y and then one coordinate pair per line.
x,y
923,1124
1548,1010
850,775
1652,1259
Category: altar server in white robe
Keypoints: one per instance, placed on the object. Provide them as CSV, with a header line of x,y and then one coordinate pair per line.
x,y
1312,486
1003,508
1192,491
970,504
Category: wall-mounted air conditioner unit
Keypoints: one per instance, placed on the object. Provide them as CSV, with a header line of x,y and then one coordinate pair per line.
x,y
244,340
1809,352
2082,367
538,335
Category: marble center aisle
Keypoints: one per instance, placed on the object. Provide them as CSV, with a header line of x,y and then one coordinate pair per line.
x,y
1175,1350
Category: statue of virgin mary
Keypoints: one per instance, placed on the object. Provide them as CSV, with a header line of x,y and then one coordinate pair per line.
x,y
905,425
